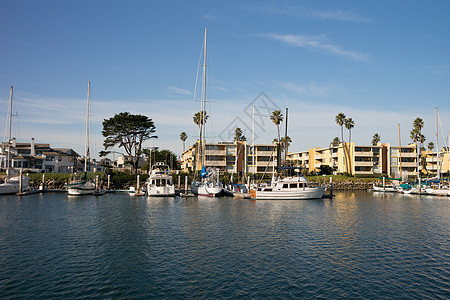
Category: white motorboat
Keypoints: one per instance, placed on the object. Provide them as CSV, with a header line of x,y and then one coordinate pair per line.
x,y
160,182
288,188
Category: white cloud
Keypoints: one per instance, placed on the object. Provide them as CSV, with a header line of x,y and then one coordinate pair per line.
x,y
177,90
311,123
317,43
311,89
302,12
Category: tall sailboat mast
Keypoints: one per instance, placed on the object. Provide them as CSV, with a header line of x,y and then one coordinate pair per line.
x,y
253,142
400,153
203,112
86,145
9,130
437,146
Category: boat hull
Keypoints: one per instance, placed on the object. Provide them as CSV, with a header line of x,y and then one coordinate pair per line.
x,y
86,188
391,189
438,192
159,191
12,185
209,191
291,194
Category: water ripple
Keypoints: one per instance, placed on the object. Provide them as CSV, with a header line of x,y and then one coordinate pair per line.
x,y
354,246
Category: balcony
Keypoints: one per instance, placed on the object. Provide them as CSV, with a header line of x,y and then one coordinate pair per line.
x,y
363,172
408,154
215,152
215,163
265,163
363,164
364,154
265,153
409,164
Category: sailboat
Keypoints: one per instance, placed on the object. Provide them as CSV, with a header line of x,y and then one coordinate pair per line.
x,y
83,186
210,184
439,189
14,184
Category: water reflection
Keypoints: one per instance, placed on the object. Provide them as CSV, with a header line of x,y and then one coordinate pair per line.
x,y
358,244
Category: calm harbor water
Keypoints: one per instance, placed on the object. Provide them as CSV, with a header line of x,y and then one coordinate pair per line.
x,y
357,245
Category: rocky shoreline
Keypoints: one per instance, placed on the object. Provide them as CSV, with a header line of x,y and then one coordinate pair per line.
x,y
352,185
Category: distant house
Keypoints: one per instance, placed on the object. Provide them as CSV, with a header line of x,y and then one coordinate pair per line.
x,y
38,158
124,166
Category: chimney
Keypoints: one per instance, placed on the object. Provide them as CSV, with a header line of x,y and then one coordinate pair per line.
x,y
33,151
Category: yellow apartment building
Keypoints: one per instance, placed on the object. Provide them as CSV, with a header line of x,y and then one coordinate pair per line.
x,y
360,159
431,161
231,157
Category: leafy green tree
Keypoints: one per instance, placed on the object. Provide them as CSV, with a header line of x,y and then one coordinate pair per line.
x,y
164,155
239,135
376,139
183,137
128,132
325,170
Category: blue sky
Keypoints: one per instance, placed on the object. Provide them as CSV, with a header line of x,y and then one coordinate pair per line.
x,y
382,63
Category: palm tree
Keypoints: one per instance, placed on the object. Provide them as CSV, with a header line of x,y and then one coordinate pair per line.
x,y
282,142
416,132
376,139
200,119
183,137
416,136
430,146
340,120
418,123
349,124
277,118
239,135
335,142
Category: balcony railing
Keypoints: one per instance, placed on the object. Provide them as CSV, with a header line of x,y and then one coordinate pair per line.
x,y
363,163
265,153
409,164
215,152
363,172
212,163
364,154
